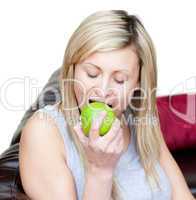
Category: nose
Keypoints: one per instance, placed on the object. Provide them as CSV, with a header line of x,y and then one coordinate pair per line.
x,y
103,89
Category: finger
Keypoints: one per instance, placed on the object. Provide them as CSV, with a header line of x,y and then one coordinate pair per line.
x,y
120,148
95,125
111,134
78,129
114,144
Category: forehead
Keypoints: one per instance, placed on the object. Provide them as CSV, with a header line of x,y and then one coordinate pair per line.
x,y
120,59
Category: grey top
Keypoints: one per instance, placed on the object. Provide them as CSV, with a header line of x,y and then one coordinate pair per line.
x,y
129,172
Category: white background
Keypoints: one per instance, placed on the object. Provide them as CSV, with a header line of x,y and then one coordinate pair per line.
x,y
34,34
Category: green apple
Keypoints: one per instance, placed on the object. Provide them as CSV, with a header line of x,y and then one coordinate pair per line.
x,y
90,111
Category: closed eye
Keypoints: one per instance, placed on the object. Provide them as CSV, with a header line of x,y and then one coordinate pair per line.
x,y
120,82
92,76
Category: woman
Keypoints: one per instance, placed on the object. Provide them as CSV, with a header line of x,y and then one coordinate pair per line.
x,y
108,57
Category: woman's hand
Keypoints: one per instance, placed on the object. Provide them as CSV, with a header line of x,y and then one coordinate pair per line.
x,y
102,152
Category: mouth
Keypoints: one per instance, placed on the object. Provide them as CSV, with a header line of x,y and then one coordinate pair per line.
x,y
93,100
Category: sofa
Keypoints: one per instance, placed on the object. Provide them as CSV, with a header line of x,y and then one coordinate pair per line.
x,y
179,131
177,114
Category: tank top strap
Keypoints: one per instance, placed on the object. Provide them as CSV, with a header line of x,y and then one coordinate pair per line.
x,y
73,160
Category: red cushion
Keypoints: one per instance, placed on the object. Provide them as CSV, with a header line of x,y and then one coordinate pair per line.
x,y
177,114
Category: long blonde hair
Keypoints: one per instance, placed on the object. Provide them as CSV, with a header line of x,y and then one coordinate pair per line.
x,y
105,31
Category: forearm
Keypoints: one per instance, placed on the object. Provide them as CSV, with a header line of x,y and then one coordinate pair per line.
x,y
97,186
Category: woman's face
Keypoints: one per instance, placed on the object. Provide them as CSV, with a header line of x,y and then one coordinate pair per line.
x,y
108,77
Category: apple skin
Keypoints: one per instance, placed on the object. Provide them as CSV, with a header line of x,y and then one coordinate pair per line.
x,y
92,110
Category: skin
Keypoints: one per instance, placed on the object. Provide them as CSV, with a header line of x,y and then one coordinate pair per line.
x,y
42,135
115,75
112,77
99,149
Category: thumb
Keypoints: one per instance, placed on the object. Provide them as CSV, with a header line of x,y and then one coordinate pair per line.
x,y
95,125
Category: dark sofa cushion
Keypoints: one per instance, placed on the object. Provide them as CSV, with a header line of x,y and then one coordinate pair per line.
x,y
186,160
10,182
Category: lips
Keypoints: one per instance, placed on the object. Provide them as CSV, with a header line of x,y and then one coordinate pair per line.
x,y
99,100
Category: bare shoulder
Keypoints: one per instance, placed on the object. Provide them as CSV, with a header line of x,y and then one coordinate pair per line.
x,y
42,164
43,127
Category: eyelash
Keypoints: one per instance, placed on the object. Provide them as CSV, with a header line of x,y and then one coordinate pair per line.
x,y
91,76
120,82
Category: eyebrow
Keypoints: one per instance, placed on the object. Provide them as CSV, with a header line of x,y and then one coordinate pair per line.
x,y
124,70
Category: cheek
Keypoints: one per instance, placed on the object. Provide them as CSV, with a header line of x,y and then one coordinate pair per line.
x,y
124,96
81,87
79,91
123,100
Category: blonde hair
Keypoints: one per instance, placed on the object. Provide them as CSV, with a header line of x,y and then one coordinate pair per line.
x,y
105,31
